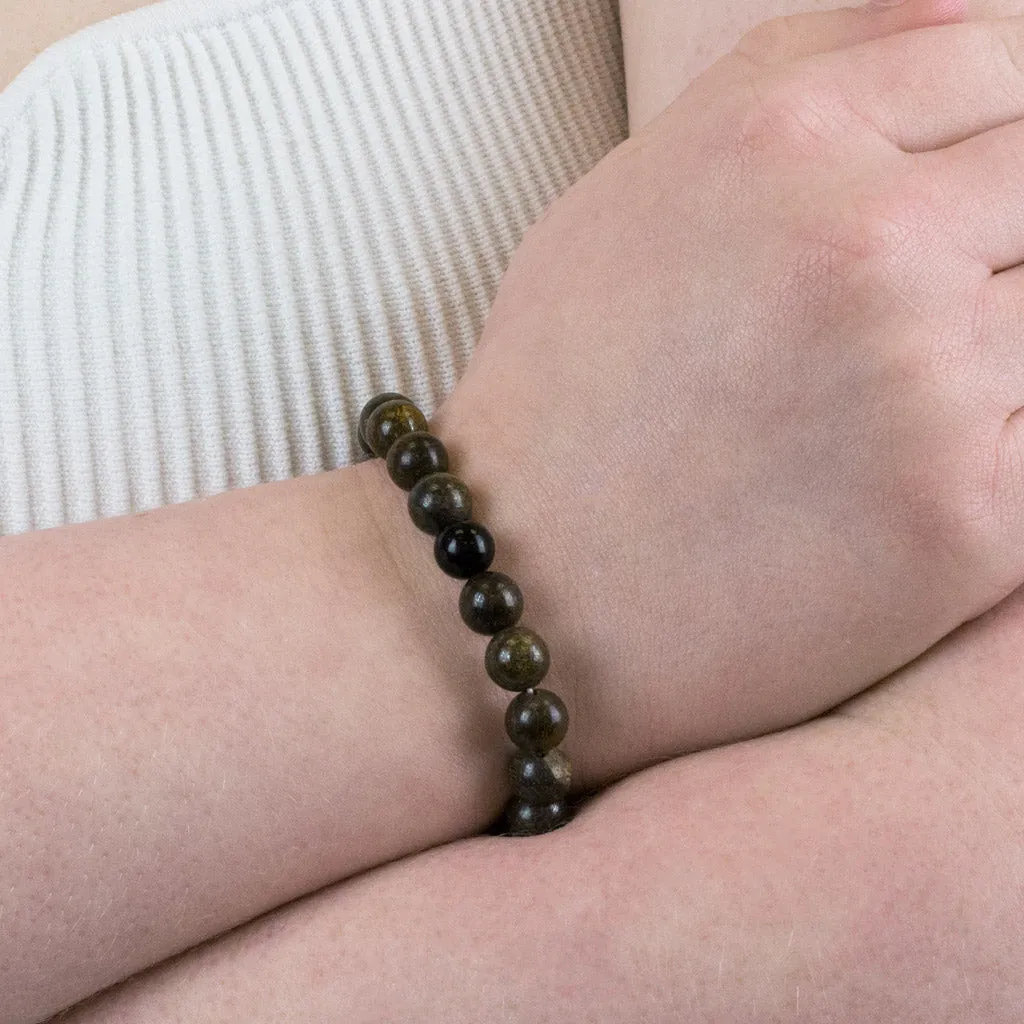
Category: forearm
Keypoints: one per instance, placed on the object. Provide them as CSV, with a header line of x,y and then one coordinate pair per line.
x,y
838,873
211,709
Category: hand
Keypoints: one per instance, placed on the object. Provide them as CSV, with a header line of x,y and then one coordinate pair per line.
x,y
743,420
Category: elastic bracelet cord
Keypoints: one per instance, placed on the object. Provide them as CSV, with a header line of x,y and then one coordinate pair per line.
x,y
392,428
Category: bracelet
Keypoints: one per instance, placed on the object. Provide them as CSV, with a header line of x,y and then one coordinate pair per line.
x,y
392,428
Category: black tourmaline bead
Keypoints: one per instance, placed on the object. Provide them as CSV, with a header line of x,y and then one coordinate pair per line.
x,y
464,549
389,421
537,721
540,779
490,602
414,456
523,819
388,396
438,501
517,658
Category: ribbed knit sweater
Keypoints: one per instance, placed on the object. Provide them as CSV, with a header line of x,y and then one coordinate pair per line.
x,y
224,224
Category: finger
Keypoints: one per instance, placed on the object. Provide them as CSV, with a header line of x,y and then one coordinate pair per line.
x,y
935,86
979,185
789,38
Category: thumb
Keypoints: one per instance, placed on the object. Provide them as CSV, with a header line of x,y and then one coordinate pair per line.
x,y
792,37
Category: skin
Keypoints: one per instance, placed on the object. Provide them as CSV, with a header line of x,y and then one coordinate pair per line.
x,y
663,392
187,692
863,867
130,924
667,43
886,914
26,28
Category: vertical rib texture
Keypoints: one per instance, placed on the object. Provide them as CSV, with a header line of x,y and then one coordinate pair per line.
x,y
224,224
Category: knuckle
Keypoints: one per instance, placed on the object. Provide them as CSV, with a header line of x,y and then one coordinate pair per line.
x,y
889,223
855,247
880,236
794,115
768,42
842,252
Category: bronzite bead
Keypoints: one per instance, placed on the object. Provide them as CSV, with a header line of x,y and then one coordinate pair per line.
x,y
439,500
525,819
464,549
371,405
490,602
536,721
540,778
414,456
389,421
517,658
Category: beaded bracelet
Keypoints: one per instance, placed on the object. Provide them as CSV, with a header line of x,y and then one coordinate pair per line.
x,y
392,428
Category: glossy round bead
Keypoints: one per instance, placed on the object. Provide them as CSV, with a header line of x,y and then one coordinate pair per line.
x,y
389,421
537,721
489,602
517,658
414,456
371,405
524,819
464,549
539,779
439,500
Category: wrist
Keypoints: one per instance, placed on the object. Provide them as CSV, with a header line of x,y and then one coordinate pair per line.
x,y
461,748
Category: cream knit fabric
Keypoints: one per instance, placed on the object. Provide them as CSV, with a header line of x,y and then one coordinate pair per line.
x,y
224,224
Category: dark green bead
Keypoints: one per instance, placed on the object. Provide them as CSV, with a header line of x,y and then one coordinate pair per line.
x,y
464,549
517,658
414,456
438,501
540,779
389,421
489,602
388,396
523,819
536,721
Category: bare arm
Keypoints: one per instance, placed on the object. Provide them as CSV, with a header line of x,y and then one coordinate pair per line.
x,y
206,714
211,710
865,867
